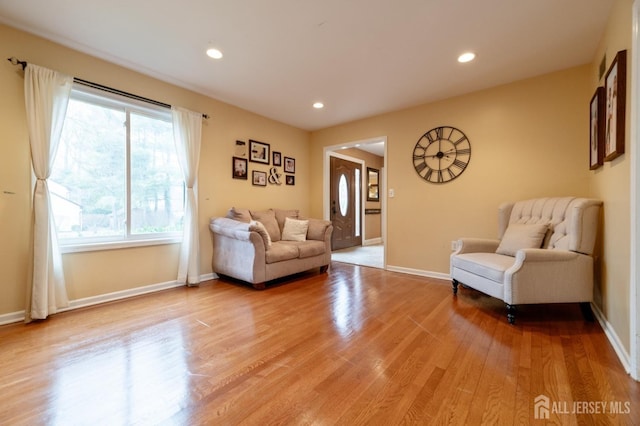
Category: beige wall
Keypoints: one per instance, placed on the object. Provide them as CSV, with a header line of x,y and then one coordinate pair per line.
x,y
95,273
611,183
372,222
528,139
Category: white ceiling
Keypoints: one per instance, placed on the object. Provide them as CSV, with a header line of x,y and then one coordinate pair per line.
x,y
359,57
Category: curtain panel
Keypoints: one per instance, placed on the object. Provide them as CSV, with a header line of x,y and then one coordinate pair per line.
x,y
187,131
46,98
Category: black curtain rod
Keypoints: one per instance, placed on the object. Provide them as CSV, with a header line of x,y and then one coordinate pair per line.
x,y
23,64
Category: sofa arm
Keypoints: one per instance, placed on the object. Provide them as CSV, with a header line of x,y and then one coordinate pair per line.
x,y
230,228
476,245
549,276
544,255
237,251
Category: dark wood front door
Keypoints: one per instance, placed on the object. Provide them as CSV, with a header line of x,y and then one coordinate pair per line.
x,y
345,188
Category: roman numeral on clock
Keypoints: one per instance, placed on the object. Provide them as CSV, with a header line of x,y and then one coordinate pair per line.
x,y
459,164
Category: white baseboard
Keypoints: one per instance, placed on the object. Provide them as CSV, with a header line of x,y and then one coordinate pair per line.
x,y
613,338
119,295
104,298
210,276
419,272
11,317
372,241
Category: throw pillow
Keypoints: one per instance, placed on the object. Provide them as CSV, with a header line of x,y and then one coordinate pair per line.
x,y
520,235
258,227
268,219
295,230
241,215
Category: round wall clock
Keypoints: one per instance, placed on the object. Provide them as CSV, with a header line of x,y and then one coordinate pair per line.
x,y
441,154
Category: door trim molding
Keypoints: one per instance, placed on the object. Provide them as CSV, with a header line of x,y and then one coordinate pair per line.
x,y
331,150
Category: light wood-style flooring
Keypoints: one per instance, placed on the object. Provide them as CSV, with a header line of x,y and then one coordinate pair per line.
x,y
356,346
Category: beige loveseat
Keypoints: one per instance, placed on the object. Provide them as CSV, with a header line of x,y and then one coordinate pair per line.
x,y
543,254
260,246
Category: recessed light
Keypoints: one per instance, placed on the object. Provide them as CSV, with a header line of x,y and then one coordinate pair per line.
x,y
466,57
214,53
318,105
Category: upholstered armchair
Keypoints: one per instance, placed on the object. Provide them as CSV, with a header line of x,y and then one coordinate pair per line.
x,y
544,254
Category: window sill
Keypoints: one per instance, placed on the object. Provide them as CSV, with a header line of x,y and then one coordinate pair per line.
x,y
115,245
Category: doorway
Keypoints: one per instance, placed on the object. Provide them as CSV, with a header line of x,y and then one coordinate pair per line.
x,y
369,154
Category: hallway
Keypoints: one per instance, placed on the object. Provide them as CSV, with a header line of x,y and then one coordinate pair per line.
x,y
372,256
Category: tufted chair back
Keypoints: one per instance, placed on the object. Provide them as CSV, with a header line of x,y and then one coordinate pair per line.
x,y
572,221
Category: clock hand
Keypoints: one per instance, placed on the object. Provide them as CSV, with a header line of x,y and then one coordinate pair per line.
x,y
440,154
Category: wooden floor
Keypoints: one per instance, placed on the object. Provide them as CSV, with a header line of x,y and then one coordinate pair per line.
x,y
355,346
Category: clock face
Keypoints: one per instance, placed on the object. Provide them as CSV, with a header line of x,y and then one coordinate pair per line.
x,y
441,154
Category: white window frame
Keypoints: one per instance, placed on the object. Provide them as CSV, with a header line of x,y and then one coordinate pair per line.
x,y
112,100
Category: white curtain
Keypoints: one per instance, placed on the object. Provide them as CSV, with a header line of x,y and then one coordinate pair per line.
x,y
187,130
46,98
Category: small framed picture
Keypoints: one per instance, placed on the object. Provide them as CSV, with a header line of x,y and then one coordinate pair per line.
x,y
259,178
241,149
615,90
239,168
277,159
259,152
596,132
290,180
289,165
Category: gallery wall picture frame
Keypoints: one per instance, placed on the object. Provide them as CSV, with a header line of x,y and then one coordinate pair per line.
x,y
277,158
241,149
290,180
615,95
289,165
596,128
239,168
259,152
259,178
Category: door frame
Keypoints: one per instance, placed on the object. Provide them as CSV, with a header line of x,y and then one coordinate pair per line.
x,y
333,150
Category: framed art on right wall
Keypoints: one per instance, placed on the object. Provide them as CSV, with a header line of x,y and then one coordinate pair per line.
x,y
596,129
615,94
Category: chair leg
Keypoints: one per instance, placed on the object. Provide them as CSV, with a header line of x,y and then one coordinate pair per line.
x,y
511,314
587,313
454,284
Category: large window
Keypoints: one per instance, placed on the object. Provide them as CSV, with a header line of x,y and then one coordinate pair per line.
x,y
116,176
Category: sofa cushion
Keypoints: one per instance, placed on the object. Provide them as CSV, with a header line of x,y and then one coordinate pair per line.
x,y
295,230
242,215
258,227
282,214
268,219
488,265
520,235
308,248
280,251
